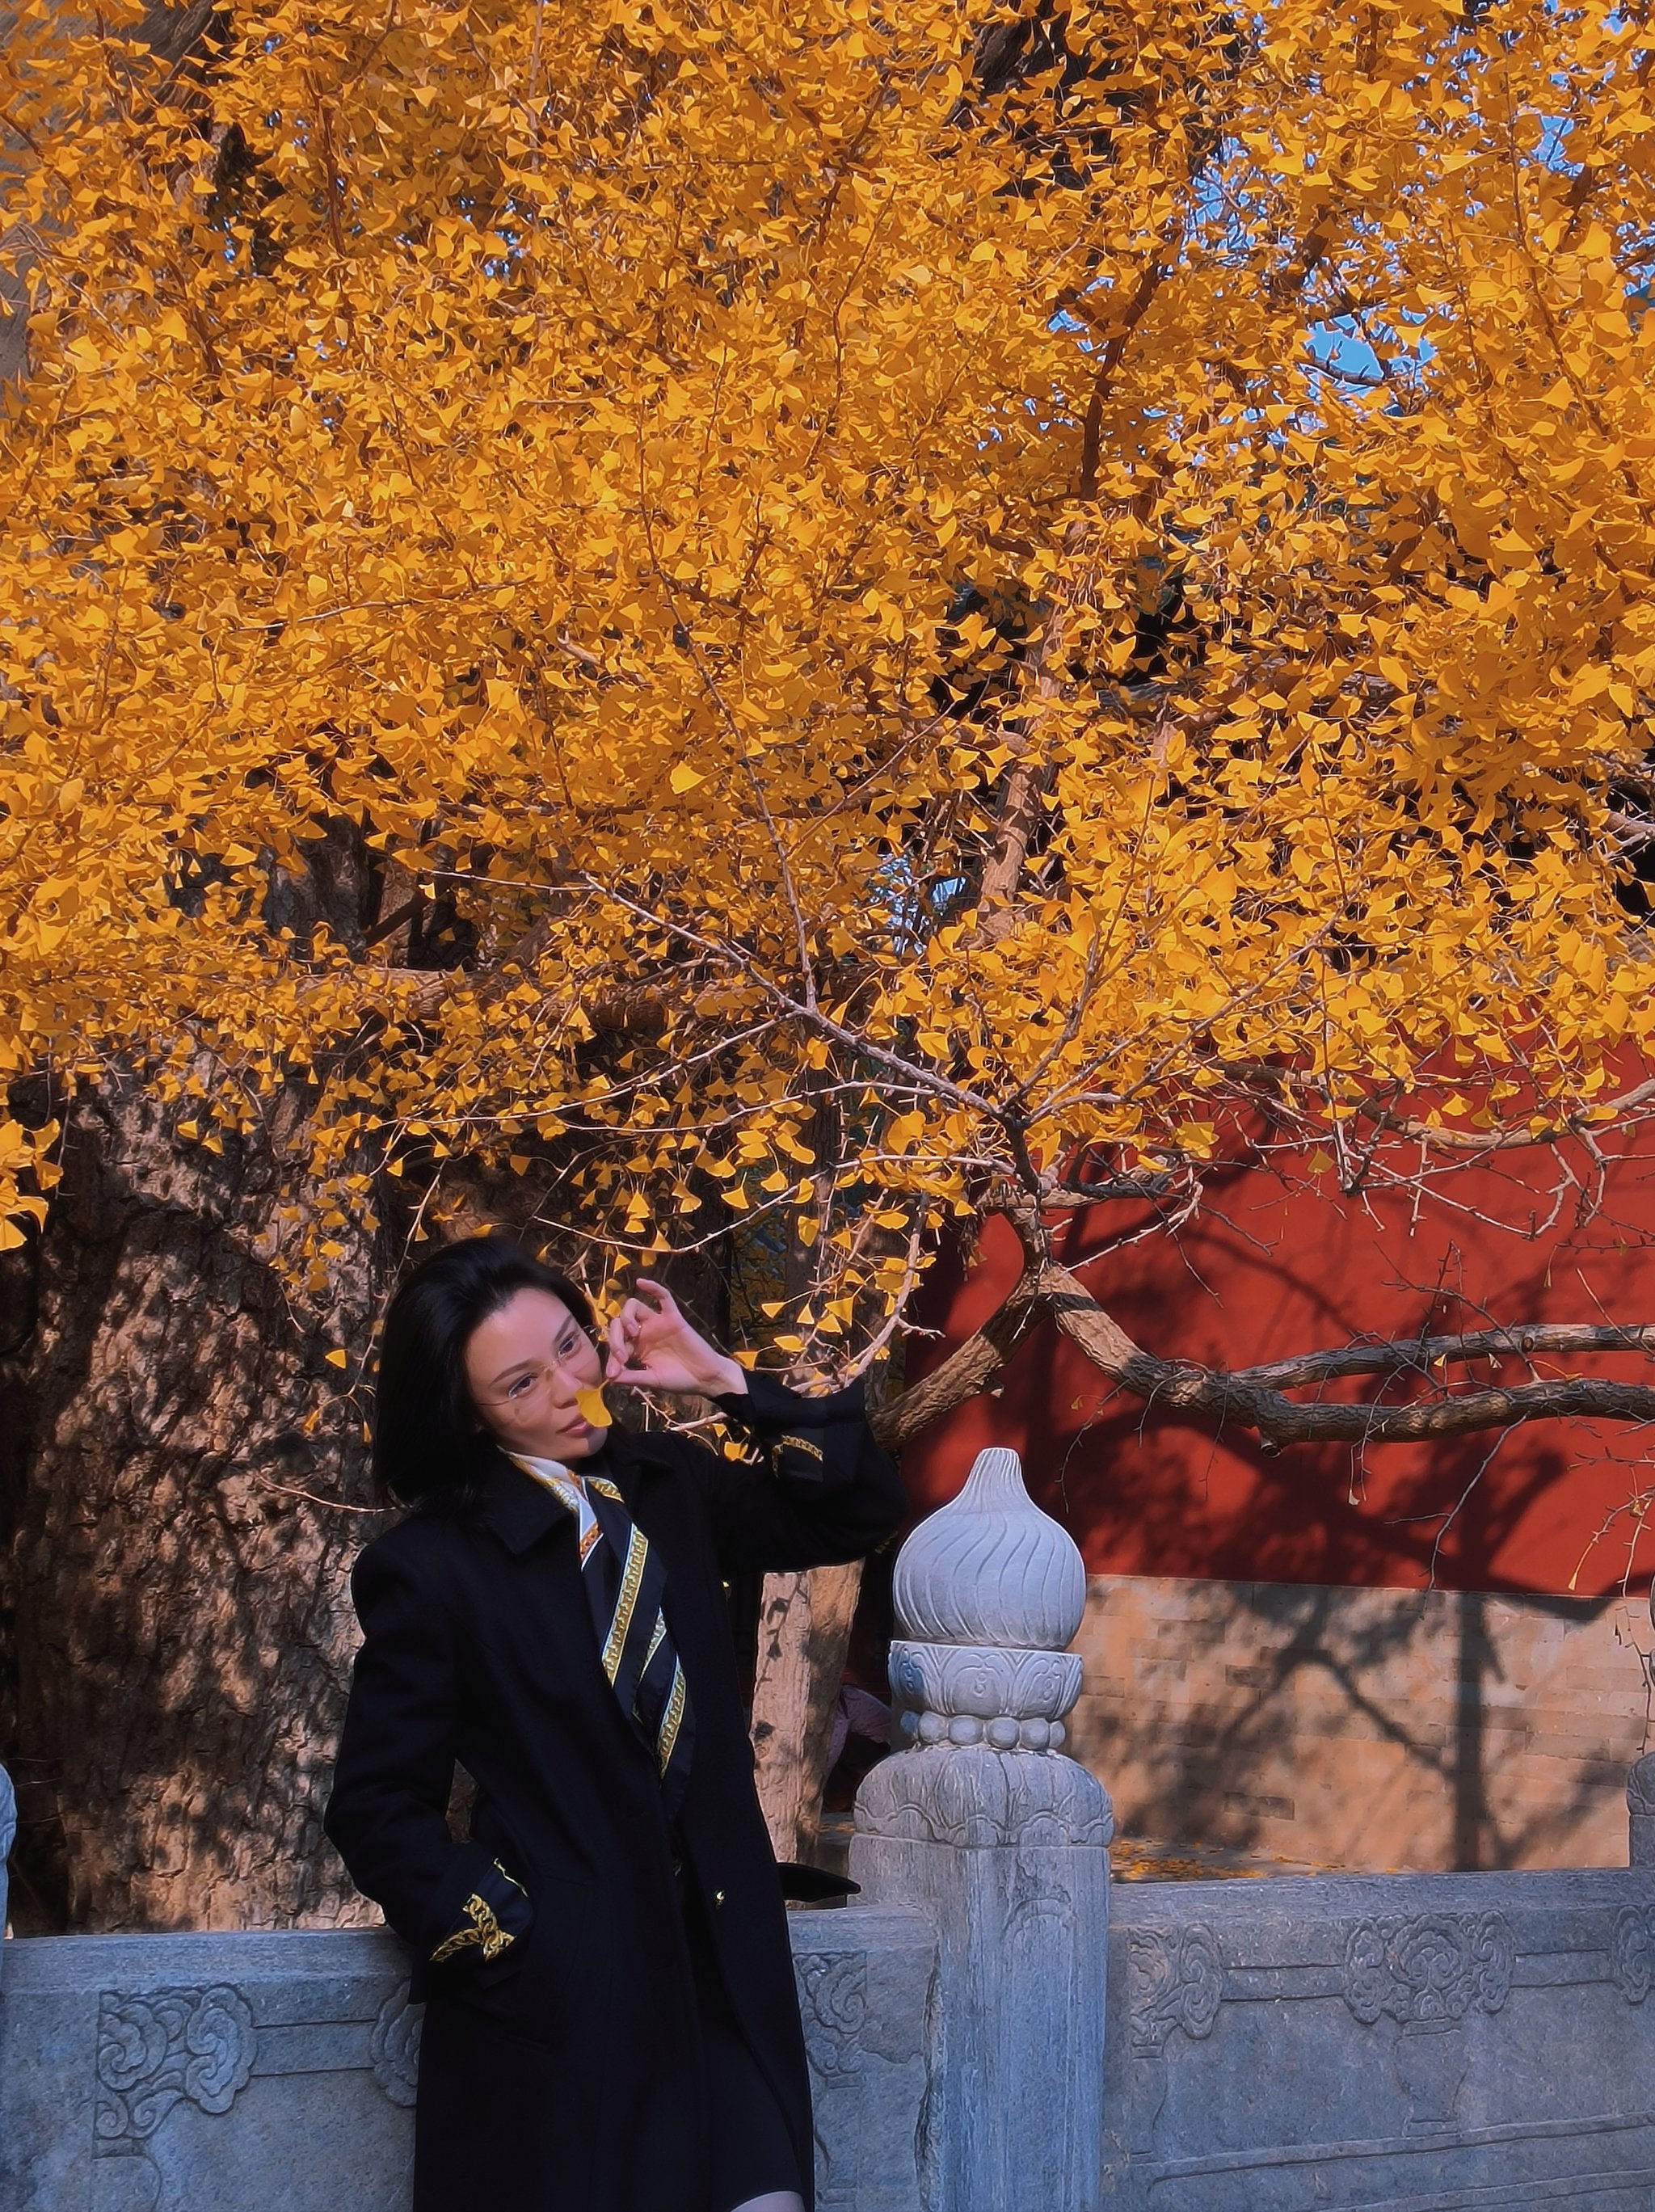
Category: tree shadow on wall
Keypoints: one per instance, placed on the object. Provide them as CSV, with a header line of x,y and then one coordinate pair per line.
x,y
1212,1774
1216,1719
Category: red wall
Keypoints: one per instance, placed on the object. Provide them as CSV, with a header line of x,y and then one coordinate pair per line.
x,y
1272,1268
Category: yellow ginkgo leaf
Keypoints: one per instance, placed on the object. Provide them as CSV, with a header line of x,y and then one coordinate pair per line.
x,y
1134,714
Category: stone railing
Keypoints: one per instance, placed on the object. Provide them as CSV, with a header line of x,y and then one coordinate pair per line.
x,y
275,2073
1426,2042
982,2038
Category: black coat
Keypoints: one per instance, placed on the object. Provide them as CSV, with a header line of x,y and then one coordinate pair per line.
x,y
563,2075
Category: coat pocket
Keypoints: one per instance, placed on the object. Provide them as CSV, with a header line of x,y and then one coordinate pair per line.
x,y
481,1916
502,1841
548,1986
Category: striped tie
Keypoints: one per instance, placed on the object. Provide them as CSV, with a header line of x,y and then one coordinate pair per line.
x,y
624,1581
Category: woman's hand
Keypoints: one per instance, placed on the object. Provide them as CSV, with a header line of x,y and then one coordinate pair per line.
x,y
652,1347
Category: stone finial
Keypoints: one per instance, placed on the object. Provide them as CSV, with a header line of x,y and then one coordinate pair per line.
x,y
984,1826
991,1568
989,1592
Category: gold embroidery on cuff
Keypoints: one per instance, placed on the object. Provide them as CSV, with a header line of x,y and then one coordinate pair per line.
x,y
484,1932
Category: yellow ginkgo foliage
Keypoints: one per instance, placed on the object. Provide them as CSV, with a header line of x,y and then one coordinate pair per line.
x,y
908,601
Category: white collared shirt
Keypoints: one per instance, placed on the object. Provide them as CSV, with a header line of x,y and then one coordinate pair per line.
x,y
569,1490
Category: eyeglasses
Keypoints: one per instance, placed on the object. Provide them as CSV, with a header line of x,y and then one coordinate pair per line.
x,y
531,1382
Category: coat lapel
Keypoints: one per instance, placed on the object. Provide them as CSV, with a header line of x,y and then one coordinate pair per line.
x,y
518,1509
626,1458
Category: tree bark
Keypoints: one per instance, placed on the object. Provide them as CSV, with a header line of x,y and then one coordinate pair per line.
x,y
804,1622
804,1631
182,1631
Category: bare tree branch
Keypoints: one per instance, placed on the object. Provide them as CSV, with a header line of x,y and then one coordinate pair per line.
x,y
1230,1401
968,1368
1425,1352
1252,1398
1026,784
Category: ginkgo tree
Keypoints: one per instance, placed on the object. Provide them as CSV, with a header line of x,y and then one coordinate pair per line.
x,y
918,611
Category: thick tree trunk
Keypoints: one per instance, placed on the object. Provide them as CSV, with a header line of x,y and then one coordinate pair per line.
x,y
804,1619
804,1631
183,1489
182,1627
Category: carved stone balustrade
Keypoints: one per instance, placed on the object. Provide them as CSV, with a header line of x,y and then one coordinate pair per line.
x,y
989,1592
267,2072
1418,2042
982,1823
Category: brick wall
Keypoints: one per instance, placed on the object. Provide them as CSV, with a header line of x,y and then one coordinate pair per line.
x,y
1368,1729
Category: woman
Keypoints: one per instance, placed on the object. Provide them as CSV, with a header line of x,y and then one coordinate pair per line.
x,y
611,2024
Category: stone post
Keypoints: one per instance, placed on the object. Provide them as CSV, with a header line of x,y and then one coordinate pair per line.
x,y
1640,1811
1640,1801
983,1824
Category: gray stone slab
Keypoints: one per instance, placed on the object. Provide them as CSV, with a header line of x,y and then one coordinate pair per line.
x,y
1400,2043
865,1979
1018,2022
186,2073
275,2072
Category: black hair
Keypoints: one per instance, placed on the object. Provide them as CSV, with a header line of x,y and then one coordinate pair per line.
x,y
427,1449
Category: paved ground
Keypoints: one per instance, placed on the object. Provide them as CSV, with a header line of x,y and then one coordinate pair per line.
x,y
1136,1858
1131,1858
